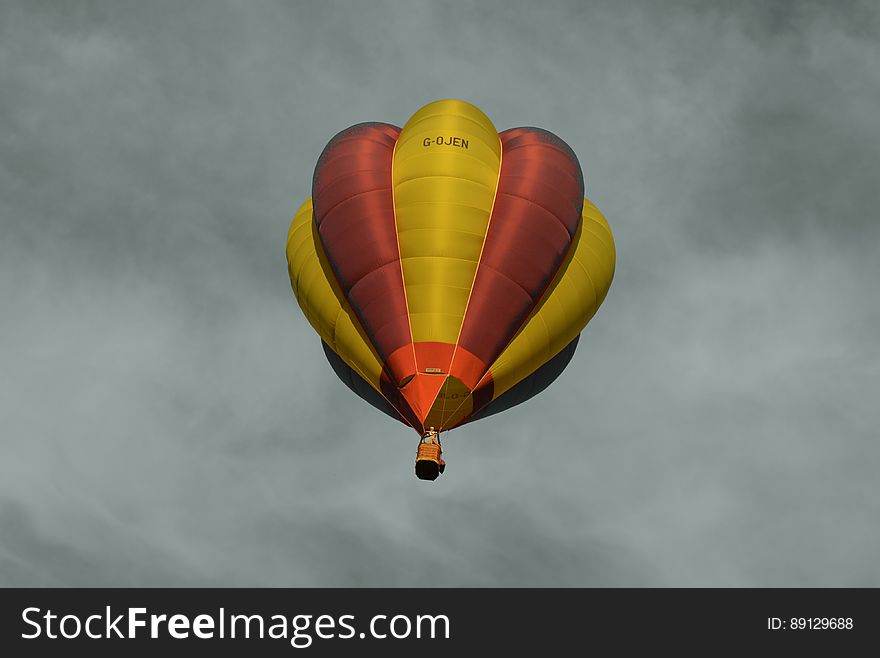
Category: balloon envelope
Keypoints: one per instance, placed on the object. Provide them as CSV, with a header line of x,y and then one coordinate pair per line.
x,y
448,268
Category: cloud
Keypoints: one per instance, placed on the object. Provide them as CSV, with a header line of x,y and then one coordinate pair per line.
x,y
168,415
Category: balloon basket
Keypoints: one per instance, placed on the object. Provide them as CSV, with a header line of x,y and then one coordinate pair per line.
x,y
429,464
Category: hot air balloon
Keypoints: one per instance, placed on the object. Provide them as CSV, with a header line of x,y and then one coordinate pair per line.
x,y
449,269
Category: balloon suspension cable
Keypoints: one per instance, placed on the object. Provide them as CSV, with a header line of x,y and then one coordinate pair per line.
x,y
429,460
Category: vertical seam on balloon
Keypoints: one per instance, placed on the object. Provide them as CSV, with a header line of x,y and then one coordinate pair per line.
x,y
400,256
473,281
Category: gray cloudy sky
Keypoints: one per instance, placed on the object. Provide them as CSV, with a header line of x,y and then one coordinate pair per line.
x,y
166,413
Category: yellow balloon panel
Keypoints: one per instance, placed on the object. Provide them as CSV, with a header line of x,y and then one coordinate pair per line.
x,y
322,301
444,176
